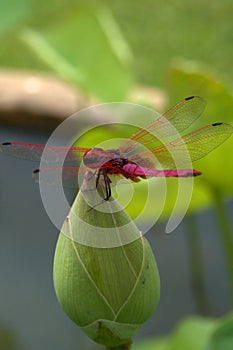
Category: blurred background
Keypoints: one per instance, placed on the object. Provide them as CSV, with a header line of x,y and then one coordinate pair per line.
x,y
59,57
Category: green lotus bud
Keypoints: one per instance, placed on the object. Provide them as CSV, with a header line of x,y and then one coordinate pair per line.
x,y
105,275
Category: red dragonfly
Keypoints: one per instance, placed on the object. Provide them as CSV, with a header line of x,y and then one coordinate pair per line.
x,y
139,156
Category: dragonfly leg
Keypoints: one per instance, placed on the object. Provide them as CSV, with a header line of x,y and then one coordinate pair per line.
x,y
107,183
97,179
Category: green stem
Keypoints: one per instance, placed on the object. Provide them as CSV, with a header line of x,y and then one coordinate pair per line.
x,y
121,347
196,265
226,235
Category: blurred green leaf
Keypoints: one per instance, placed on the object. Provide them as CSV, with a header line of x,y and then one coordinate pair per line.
x,y
222,337
79,50
160,343
114,35
8,340
189,78
192,334
51,57
12,12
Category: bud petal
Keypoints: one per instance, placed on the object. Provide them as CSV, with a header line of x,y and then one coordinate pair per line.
x,y
108,291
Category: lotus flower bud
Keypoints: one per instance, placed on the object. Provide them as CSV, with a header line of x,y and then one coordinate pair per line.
x,y
105,275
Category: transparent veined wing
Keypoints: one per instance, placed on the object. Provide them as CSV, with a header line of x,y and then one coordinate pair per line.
x,y
30,151
165,127
67,176
58,175
198,144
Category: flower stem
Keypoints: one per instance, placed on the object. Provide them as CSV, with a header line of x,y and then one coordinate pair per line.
x,y
196,265
226,235
121,347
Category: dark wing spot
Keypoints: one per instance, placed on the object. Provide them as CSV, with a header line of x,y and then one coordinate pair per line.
x,y
189,98
36,171
6,143
197,173
216,124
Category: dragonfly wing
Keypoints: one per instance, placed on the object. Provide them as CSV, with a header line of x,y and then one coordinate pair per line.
x,y
198,144
34,152
185,112
66,176
168,125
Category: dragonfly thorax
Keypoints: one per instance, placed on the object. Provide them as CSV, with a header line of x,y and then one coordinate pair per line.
x,y
97,157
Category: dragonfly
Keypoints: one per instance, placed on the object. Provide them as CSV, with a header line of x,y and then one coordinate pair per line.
x,y
141,155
